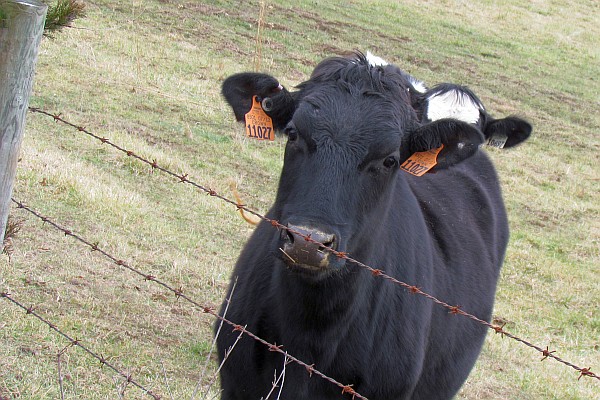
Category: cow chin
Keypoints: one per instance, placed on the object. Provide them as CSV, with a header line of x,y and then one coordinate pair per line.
x,y
313,273
330,263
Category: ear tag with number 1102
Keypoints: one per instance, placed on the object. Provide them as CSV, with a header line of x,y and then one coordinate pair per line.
x,y
421,162
258,124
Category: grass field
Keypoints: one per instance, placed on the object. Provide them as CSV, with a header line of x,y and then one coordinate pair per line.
x,y
146,74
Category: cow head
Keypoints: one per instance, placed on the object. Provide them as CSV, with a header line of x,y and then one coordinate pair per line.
x,y
348,128
459,102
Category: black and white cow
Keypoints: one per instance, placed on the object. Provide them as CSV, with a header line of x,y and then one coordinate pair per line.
x,y
459,102
349,128
448,100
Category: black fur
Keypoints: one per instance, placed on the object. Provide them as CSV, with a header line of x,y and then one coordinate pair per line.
x,y
239,89
350,128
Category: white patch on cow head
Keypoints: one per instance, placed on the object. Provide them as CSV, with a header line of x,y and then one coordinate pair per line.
x,y
418,85
375,61
453,104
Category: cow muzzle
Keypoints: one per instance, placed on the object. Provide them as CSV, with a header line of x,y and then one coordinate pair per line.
x,y
304,247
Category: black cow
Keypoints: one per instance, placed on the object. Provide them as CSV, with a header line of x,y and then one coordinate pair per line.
x,y
349,128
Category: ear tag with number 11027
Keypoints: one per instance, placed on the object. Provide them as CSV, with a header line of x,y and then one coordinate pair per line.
x,y
421,162
258,124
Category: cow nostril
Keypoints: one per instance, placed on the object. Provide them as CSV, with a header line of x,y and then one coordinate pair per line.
x,y
331,243
289,237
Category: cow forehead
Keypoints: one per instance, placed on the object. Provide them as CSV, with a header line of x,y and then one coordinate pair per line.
x,y
354,104
331,113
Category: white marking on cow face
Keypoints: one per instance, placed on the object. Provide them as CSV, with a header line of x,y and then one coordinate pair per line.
x,y
375,61
418,85
453,104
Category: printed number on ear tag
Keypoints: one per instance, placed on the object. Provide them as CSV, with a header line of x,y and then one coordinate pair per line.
x,y
258,124
497,140
421,162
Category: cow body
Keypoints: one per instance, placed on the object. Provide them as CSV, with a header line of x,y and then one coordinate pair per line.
x,y
349,128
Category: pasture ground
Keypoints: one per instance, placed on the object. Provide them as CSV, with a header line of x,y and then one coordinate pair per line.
x,y
147,73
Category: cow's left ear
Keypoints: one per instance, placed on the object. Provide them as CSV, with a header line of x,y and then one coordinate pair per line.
x,y
460,139
507,132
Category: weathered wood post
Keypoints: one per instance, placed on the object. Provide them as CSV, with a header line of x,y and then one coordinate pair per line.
x,y
21,29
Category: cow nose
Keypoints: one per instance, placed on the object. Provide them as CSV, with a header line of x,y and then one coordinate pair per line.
x,y
311,253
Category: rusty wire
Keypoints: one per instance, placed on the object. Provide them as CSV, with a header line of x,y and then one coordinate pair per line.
x,y
77,343
453,309
178,292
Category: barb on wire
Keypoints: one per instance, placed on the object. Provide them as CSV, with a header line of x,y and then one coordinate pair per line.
x,y
179,294
77,343
453,309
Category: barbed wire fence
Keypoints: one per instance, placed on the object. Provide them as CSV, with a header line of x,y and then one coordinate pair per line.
x,y
311,369
76,343
178,292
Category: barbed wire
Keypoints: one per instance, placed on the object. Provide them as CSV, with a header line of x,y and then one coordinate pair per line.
x,y
178,292
453,309
75,342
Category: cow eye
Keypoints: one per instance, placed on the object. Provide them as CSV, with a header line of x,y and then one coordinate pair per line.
x,y
390,162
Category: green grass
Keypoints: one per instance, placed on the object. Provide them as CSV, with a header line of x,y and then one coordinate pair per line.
x,y
147,75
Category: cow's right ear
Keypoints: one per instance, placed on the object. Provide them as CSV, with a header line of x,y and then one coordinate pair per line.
x,y
277,102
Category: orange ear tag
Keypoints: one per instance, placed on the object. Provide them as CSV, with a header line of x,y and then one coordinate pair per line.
x,y
421,162
258,124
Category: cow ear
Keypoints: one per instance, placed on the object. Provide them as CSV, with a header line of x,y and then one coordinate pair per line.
x,y
460,141
277,102
507,132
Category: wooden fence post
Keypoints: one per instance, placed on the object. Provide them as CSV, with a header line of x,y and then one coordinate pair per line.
x,y
21,29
